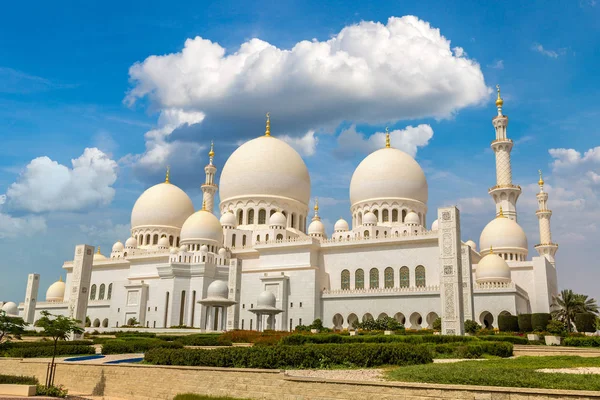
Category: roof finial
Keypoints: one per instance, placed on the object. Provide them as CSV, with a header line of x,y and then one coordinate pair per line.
x,y
268,130
541,181
387,137
499,101
168,175
501,213
204,205
316,208
211,153
491,250
98,250
60,278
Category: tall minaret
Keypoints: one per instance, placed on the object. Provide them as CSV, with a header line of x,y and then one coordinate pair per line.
x,y
546,247
209,188
505,194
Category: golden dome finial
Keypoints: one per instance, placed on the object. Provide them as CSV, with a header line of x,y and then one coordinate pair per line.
x,y
98,250
499,101
501,213
204,205
316,204
387,137
168,175
268,130
491,250
211,153
541,181
60,278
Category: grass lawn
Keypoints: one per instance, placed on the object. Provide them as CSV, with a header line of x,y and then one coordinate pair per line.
x,y
517,372
192,396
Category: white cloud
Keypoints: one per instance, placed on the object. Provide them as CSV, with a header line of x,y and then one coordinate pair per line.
x,y
305,145
106,231
475,205
498,64
11,227
567,159
45,185
407,140
549,53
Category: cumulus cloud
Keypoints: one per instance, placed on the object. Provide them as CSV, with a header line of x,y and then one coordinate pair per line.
x,y
408,140
45,185
498,64
305,145
568,159
11,227
549,53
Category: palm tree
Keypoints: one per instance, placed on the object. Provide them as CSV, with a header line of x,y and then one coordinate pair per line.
x,y
566,305
588,304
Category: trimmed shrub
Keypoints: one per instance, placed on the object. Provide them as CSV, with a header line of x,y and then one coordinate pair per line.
x,y
119,346
508,323
309,356
539,321
44,343
51,391
583,341
135,333
556,327
471,326
505,338
585,322
524,322
18,380
298,339
202,340
46,351
500,349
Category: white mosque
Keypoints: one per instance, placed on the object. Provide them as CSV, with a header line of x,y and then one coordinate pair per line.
x,y
268,262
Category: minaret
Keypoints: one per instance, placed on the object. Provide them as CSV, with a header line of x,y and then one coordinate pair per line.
x,y
505,194
209,188
546,247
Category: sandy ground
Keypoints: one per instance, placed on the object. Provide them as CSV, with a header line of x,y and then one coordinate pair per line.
x,y
578,370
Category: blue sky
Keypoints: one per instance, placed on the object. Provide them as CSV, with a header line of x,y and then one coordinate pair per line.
x,y
66,86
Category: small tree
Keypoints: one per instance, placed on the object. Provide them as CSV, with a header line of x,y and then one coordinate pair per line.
x,y
11,327
471,326
556,327
58,327
437,324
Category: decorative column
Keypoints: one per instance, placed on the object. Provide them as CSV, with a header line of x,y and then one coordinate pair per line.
x,y
235,281
546,248
31,294
209,188
80,283
451,280
467,283
505,194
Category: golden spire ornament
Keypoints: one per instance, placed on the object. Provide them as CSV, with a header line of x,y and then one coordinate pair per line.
x,y
316,208
98,250
541,181
491,250
60,278
499,101
204,205
387,137
211,153
268,130
168,175
501,213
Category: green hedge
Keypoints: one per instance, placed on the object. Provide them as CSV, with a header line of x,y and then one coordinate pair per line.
x,y
11,345
202,340
309,356
119,346
508,323
135,333
298,339
539,321
18,380
584,341
585,322
471,350
505,338
46,351
525,322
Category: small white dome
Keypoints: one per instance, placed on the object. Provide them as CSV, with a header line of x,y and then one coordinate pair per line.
x,y
202,226
471,244
11,308
131,243
204,249
316,227
162,205
278,219
369,218
266,299
164,242
504,235
217,289
434,226
492,268
56,291
341,225
174,250
228,220
222,252
412,218
99,256
118,246
183,248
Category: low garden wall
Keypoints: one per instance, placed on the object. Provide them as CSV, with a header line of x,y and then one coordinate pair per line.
x,y
164,382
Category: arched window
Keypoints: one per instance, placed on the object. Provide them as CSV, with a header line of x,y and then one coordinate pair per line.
x,y
147,239
267,238
359,279
404,277
376,212
93,292
403,215
366,234
177,245
243,240
273,211
385,215
359,218
345,279
166,310
388,275
155,239
374,278
241,217
171,240
233,240
279,236
250,216
420,276
394,215
262,216
293,224
109,295
182,308
102,290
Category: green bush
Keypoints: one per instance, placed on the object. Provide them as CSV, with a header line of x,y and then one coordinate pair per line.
x,y
18,380
298,339
383,324
556,327
508,323
500,349
471,326
585,322
584,341
363,355
135,333
525,322
437,324
202,340
539,321
51,391
46,351
471,349
119,346
505,338
44,343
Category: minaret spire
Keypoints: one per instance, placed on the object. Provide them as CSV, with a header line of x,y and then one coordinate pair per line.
x,y
268,129
387,138
504,193
167,176
209,188
316,208
546,247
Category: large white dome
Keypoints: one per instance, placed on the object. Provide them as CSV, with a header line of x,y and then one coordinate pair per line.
x,y
56,291
503,235
202,226
162,205
10,308
265,166
492,268
388,173
217,289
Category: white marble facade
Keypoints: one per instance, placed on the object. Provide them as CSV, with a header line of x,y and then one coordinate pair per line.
x,y
267,262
